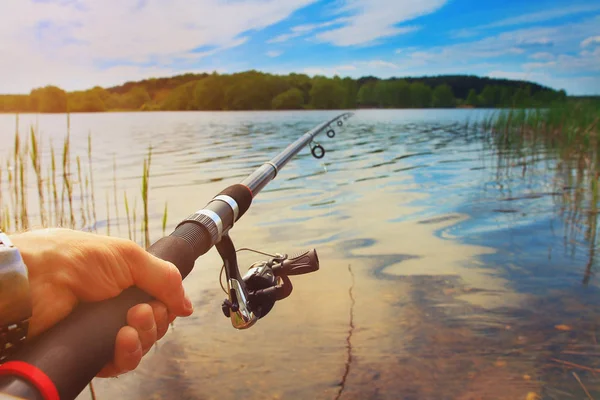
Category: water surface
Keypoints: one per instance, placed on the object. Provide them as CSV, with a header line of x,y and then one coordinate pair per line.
x,y
451,267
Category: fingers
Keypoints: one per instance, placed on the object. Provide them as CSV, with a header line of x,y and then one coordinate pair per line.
x,y
158,278
146,324
141,318
128,353
161,318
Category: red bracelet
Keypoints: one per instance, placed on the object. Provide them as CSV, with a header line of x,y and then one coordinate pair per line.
x,y
34,375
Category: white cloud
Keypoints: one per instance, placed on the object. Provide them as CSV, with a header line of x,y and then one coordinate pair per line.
x,y
48,42
538,65
303,30
284,37
273,53
553,41
542,16
381,64
529,19
370,20
535,42
312,27
340,70
542,56
591,40
357,68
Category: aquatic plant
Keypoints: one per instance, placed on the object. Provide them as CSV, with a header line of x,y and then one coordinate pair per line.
x,y
60,194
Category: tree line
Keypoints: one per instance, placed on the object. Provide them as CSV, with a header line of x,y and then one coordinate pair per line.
x,y
253,90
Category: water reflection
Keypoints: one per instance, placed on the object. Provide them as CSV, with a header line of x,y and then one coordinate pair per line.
x,y
472,259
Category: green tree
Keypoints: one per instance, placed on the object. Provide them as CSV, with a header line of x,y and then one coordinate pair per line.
x,y
180,98
326,94
49,99
351,89
302,82
366,95
247,94
522,97
291,99
384,94
442,97
490,96
209,93
420,95
88,101
136,98
401,94
472,98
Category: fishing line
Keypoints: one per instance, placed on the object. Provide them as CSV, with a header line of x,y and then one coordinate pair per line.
x,y
252,266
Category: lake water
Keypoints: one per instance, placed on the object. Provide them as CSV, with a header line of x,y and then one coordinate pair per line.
x,y
450,268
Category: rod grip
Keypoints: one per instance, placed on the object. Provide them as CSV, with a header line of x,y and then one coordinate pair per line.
x,y
73,351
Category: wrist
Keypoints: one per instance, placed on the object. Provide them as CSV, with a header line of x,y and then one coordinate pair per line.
x,y
15,299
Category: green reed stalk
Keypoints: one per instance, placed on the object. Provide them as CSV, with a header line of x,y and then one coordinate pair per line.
x,y
81,194
36,162
145,190
128,215
23,192
5,220
11,192
164,220
58,214
67,184
15,180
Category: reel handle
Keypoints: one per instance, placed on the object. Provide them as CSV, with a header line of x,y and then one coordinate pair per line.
x,y
302,263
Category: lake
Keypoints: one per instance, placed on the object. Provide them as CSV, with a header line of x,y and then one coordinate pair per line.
x,y
451,267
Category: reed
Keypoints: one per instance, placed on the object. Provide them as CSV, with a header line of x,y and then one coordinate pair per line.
x,y
57,213
164,220
127,214
67,184
37,167
567,133
56,202
145,191
82,201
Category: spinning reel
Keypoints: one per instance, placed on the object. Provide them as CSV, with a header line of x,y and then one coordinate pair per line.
x,y
252,296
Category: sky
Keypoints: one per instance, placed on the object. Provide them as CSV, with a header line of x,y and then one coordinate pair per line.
x,y
78,44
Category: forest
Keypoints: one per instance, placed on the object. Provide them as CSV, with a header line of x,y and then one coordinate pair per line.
x,y
253,90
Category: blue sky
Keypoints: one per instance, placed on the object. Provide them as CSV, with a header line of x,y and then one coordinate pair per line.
x,y
77,44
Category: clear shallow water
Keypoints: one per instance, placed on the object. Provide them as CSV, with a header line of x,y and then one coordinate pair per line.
x,y
447,264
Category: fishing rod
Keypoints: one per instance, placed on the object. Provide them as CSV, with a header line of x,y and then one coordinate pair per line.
x,y
71,353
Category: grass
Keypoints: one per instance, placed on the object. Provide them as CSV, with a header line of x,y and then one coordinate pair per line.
x,y
65,195
569,134
571,126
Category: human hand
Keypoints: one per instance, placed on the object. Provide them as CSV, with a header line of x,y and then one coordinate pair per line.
x,y
67,266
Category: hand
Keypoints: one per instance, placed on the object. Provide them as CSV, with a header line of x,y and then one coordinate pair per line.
x,y
67,266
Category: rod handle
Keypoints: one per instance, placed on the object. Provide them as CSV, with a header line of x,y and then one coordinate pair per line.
x,y
73,351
